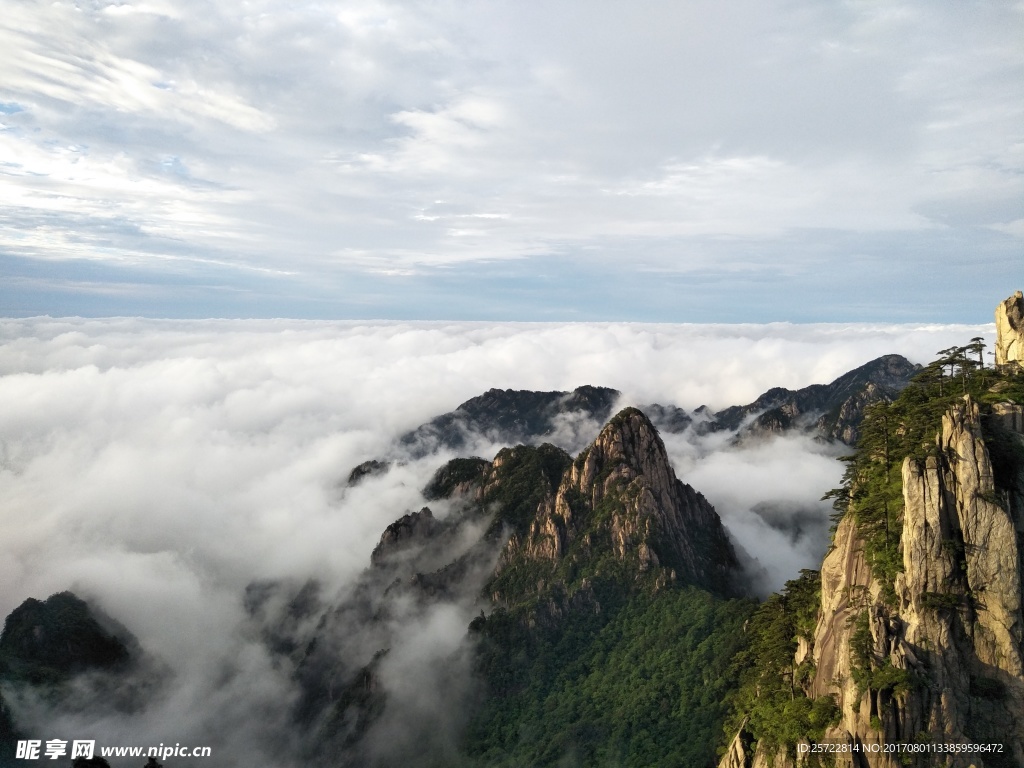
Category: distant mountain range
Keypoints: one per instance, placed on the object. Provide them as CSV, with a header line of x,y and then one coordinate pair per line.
x,y
572,419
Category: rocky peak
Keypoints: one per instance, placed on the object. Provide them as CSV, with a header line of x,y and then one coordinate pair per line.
x,y
1010,331
621,499
515,416
627,447
406,531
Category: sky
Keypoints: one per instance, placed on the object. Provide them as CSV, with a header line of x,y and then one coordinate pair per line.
x,y
656,161
158,467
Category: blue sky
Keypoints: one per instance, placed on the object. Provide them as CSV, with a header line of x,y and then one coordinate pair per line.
x,y
656,161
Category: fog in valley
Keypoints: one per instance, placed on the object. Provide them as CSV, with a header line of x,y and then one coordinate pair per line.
x,y
190,478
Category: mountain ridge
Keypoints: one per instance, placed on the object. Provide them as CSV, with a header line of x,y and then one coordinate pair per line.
x,y
509,417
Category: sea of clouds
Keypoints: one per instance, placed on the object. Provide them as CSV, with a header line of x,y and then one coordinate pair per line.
x,y
158,467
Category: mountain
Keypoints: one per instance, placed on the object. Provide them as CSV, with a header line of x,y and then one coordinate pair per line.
x,y
570,419
511,417
912,634
65,650
616,614
832,410
48,641
622,492
549,552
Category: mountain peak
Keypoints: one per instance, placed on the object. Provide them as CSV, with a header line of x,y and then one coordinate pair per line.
x,y
631,437
620,504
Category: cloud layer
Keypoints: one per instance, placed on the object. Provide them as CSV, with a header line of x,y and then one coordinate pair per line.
x,y
160,467
376,158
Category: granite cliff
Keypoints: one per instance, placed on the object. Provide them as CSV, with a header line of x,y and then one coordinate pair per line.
x,y
918,634
955,629
1010,331
942,662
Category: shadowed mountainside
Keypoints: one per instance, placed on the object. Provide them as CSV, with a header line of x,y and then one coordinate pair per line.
x,y
570,420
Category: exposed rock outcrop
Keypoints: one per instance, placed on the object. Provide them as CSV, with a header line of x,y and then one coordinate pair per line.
x,y
1010,331
942,661
739,754
621,495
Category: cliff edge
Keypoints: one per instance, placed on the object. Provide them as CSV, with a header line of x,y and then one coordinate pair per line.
x,y
935,658
1010,331
916,656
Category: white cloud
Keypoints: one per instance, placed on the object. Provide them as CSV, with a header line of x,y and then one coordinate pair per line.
x,y
708,194
768,494
449,140
59,57
1015,227
226,440
310,130
159,467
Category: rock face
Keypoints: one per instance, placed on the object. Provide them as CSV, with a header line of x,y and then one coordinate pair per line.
x,y
945,661
620,495
1010,331
739,753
